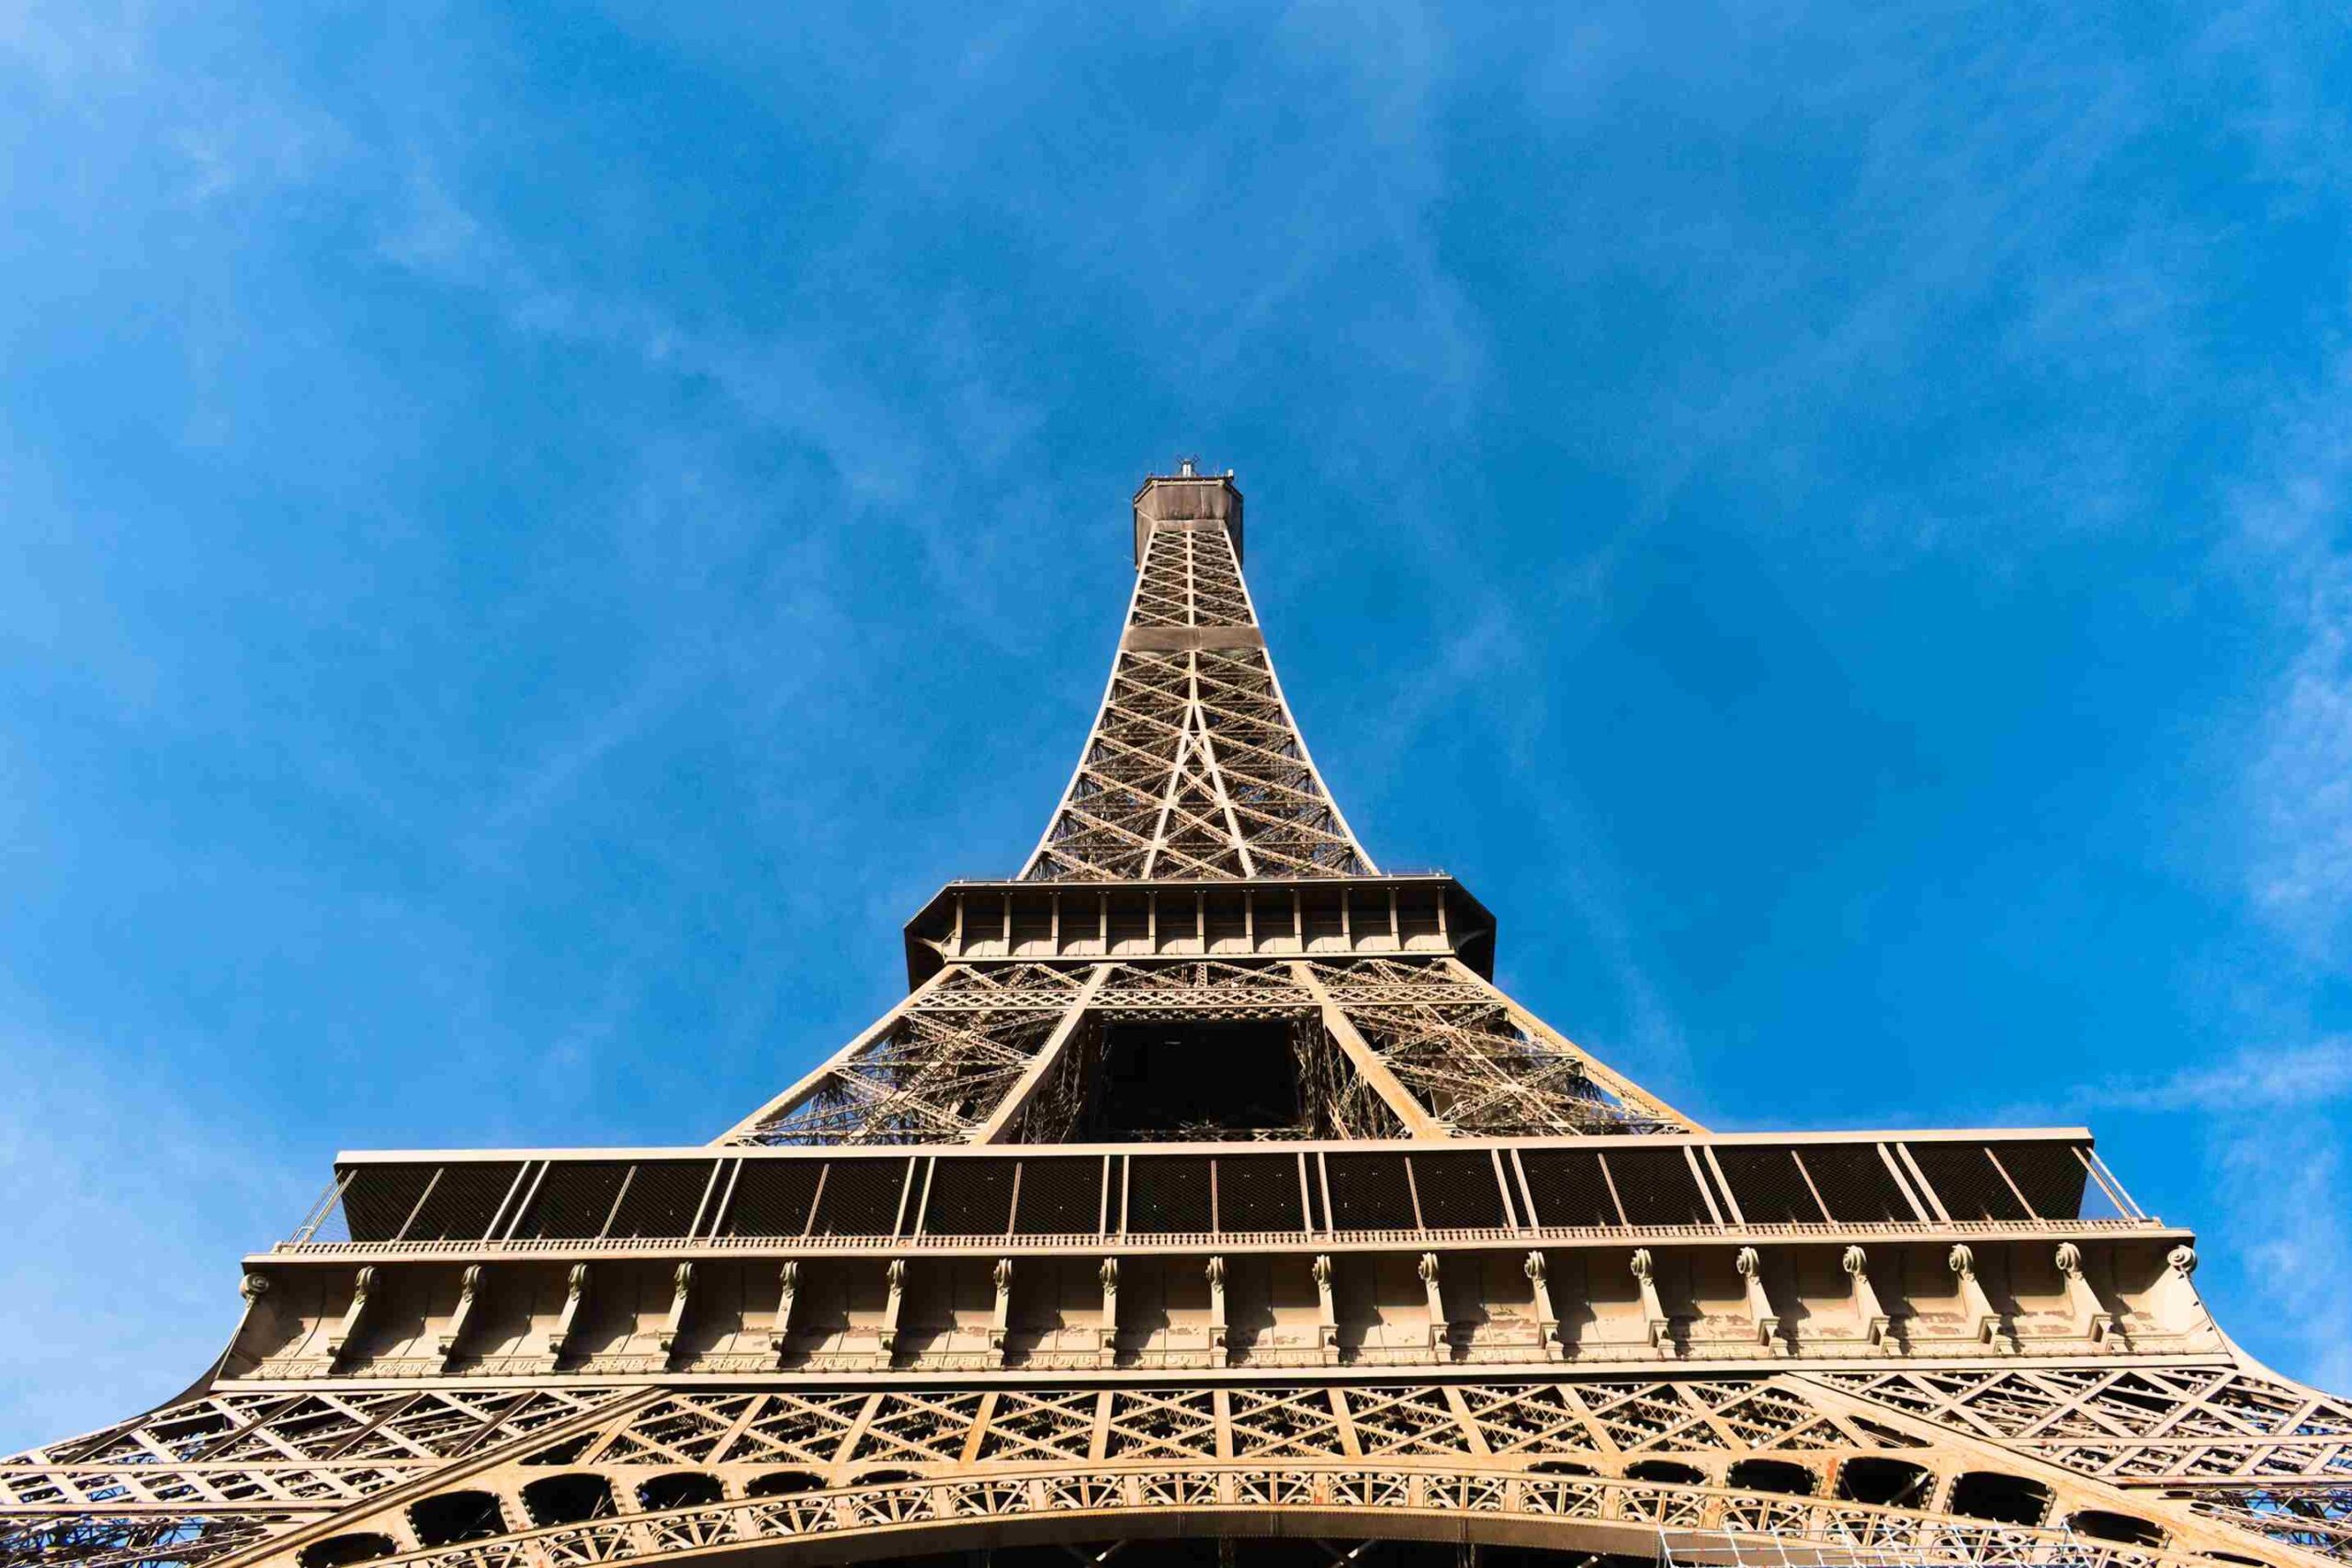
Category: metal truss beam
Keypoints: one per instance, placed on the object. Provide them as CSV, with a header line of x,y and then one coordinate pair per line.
x,y
1194,768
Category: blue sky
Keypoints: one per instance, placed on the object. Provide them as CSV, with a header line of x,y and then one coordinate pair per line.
x,y
533,538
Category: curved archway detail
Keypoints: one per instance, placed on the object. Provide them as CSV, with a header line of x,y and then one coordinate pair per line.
x,y
1488,1506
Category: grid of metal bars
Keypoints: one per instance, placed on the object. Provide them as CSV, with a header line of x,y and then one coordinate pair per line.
x,y
1678,1185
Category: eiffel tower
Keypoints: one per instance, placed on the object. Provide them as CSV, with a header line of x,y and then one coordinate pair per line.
x,y
1204,1200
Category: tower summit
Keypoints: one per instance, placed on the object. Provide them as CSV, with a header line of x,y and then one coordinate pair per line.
x,y
1203,1200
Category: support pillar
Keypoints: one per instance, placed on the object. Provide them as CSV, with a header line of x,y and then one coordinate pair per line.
x,y
1975,1304
1547,1321
789,1287
2092,1320
681,1284
1326,1322
1750,1264
575,1296
1869,1316
363,1288
469,1294
1107,1332
1217,1329
1439,1343
1661,1327
895,1304
1001,1319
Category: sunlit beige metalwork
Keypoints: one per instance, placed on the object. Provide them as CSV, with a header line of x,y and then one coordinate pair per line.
x,y
1428,1272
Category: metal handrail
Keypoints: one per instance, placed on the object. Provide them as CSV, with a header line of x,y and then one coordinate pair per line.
x,y
1190,1241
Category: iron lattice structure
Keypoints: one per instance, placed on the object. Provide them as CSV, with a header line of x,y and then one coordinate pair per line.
x,y
1205,1199
1194,768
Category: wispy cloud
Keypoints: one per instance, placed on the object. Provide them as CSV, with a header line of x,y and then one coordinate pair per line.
x,y
2294,544
786,383
2297,1078
2283,1186
2278,1115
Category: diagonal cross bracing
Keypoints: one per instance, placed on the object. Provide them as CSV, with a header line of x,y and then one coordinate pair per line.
x,y
1498,1437
1194,768
1440,1049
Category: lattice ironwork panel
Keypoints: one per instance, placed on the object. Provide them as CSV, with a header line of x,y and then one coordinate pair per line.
x,y
1194,768
1461,1052
931,1078
1530,1418
2314,1518
918,1427
678,1428
2132,1424
216,1475
1283,1422
326,1447
994,988
1214,987
815,1438
1162,1424
181,1540
1040,1427
794,1429
1641,1418
1405,1420
1770,1417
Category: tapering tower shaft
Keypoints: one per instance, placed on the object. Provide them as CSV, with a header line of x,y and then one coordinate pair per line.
x,y
1194,768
